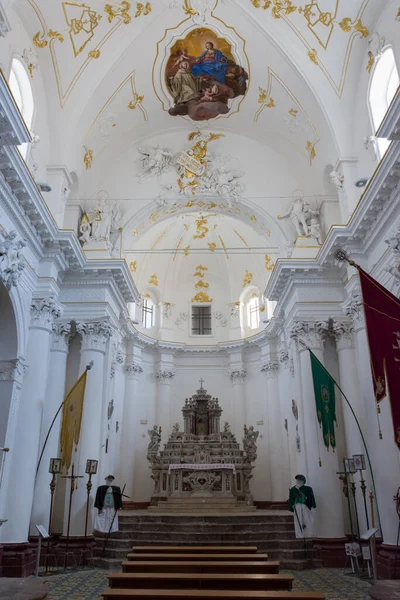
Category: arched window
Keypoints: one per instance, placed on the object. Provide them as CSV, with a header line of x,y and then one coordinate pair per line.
x,y
253,313
384,83
148,313
21,89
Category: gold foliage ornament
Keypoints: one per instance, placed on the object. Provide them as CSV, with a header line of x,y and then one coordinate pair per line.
x,y
310,147
88,159
312,55
202,284
142,9
201,229
371,62
200,271
247,278
347,25
94,54
136,101
153,280
121,11
133,266
201,297
212,246
269,265
52,35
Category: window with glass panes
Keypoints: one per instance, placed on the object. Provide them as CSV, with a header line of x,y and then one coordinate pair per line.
x,y
201,320
253,313
147,313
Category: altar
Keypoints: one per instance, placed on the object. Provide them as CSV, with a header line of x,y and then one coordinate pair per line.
x,y
201,462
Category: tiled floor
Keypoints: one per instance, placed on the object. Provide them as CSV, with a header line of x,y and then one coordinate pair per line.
x,y
88,584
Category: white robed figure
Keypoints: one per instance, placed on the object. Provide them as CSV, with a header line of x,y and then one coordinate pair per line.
x,y
108,501
302,504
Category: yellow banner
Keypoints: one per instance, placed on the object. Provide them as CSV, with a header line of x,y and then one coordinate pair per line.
x,y
72,420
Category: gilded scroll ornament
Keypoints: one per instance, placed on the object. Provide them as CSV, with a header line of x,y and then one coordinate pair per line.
x,y
201,297
186,251
133,266
212,246
200,271
94,54
201,229
153,280
347,25
121,11
188,9
293,112
40,42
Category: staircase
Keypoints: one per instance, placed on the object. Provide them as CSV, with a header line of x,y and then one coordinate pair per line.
x,y
271,531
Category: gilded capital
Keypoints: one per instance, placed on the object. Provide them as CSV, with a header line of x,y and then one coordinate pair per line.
x,y
44,312
60,336
94,335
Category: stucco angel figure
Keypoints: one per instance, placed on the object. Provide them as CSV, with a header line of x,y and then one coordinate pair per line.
x,y
336,179
315,230
394,242
11,259
155,440
249,443
155,161
297,213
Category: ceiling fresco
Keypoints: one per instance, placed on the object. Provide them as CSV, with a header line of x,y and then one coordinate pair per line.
x,y
203,76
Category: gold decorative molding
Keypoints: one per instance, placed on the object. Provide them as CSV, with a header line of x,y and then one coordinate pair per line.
x,y
321,23
293,112
82,21
176,249
142,9
153,280
186,251
223,245
212,246
94,54
52,35
202,297
133,266
200,271
247,278
158,239
310,147
242,238
136,101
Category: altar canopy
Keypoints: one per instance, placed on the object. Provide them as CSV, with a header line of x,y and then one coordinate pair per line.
x,y
202,462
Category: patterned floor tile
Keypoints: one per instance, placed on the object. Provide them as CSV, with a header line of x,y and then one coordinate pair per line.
x,y
89,584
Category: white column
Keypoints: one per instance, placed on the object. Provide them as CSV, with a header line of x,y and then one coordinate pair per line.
x,y
279,489
324,481
350,385
94,343
24,454
164,377
383,452
238,377
11,380
55,392
288,419
130,426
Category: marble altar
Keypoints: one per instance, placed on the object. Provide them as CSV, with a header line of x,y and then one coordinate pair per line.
x,y
202,464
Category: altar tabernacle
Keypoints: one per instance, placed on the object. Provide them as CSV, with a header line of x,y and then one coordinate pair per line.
x,y
201,463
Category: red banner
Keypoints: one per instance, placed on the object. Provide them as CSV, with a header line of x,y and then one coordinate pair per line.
x,y
382,314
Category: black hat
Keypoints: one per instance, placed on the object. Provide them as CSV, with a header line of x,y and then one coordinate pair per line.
x,y
301,478
110,477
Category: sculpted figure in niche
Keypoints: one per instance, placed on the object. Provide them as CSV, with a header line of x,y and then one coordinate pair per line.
x,y
155,161
101,224
300,213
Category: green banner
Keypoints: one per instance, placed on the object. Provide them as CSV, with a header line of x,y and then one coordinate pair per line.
x,y
324,389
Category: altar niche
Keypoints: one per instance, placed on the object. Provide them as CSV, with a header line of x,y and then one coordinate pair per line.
x,y
201,466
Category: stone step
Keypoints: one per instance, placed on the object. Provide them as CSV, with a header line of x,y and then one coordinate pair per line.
x,y
206,527
211,519
213,538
